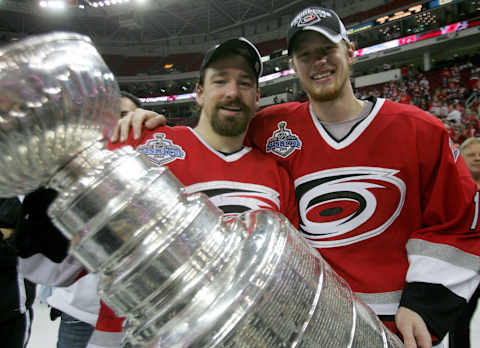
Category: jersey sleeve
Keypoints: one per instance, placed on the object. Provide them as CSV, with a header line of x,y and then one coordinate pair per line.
x,y
108,330
444,254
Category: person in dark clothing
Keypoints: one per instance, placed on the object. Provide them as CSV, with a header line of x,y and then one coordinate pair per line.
x,y
18,294
26,230
35,232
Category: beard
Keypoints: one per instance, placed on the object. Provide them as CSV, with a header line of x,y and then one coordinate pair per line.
x,y
231,126
332,92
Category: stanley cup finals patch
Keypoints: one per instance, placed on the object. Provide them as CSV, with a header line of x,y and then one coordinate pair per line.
x,y
282,143
160,150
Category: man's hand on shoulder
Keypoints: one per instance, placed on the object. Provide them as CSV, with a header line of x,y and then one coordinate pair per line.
x,y
413,329
136,120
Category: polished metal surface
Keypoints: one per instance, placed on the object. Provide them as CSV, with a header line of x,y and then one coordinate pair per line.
x,y
180,272
57,97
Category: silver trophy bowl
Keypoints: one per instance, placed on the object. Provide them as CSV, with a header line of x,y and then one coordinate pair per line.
x,y
181,273
57,97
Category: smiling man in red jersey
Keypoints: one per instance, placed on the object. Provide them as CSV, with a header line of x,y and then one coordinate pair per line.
x,y
382,191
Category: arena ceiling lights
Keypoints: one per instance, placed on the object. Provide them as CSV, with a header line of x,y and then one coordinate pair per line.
x,y
53,4
62,4
103,3
106,3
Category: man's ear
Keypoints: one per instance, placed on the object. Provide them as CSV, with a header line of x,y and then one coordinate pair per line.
x,y
257,99
350,51
199,96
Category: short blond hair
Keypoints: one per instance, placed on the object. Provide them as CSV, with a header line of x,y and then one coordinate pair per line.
x,y
469,142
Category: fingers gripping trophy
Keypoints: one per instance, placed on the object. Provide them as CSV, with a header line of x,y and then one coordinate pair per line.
x,y
182,274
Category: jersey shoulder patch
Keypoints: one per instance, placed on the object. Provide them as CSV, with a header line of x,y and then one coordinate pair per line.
x,y
283,142
161,150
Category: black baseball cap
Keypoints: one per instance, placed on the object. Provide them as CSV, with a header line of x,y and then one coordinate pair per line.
x,y
319,19
240,46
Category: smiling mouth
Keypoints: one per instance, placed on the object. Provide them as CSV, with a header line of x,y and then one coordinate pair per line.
x,y
231,108
317,77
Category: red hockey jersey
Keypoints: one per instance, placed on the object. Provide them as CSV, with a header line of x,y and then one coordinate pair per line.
x,y
390,203
238,182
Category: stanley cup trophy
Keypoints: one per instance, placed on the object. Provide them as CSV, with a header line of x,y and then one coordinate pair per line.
x,y
181,273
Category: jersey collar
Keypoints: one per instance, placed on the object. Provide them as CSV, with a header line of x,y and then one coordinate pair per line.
x,y
357,131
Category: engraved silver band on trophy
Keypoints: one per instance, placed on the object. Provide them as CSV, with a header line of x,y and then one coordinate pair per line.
x,y
181,273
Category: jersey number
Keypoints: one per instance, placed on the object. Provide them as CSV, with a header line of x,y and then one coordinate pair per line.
x,y
475,218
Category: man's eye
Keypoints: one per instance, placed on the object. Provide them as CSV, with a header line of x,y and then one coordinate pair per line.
x,y
246,84
219,82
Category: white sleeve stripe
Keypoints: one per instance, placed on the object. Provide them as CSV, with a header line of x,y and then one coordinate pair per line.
x,y
445,253
105,339
22,294
384,308
459,280
382,303
380,297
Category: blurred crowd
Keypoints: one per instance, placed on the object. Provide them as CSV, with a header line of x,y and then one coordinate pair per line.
x,y
451,92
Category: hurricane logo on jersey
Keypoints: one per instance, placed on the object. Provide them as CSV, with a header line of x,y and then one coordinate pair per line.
x,y
454,149
282,143
343,206
235,197
160,150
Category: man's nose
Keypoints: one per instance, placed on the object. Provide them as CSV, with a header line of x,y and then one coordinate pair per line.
x,y
320,58
232,90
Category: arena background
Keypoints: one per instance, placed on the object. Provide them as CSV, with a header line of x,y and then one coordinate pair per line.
x,y
421,52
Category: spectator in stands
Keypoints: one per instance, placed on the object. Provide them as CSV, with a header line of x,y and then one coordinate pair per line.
x,y
404,71
472,122
435,107
446,75
461,133
474,81
455,115
445,109
405,97
424,83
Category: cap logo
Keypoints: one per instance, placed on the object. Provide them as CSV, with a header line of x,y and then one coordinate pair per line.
x,y
309,16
